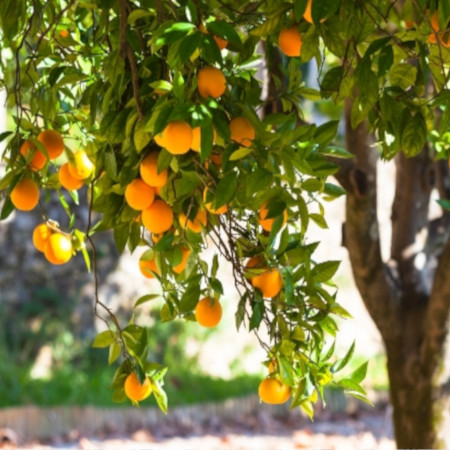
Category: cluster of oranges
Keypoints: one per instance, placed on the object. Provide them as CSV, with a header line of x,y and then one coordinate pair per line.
x,y
56,246
47,238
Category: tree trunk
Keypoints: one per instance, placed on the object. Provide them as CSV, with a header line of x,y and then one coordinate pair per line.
x,y
408,297
412,405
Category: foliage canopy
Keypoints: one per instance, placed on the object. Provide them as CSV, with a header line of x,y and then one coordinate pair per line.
x,y
112,76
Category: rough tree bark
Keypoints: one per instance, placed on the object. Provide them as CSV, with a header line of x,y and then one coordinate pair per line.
x,y
408,297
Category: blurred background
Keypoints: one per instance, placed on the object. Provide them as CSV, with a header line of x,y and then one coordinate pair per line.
x,y
54,388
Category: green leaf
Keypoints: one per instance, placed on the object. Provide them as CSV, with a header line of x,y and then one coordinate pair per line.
x,y
414,135
326,133
160,396
350,385
343,362
225,190
444,203
324,271
240,153
114,352
104,339
190,298
319,220
121,234
360,373
188,46
139,14
257,315
323,8
145,299
224,30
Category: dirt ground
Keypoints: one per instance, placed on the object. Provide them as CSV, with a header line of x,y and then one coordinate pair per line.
x,y
366,430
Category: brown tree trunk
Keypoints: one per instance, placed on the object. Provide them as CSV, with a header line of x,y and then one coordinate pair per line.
x,y
409,296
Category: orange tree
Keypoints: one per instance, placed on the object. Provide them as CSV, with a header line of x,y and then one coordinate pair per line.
x,y
158,109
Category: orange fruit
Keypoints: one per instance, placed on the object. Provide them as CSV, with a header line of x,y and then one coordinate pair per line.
x,y
82,167
52,141
149,171
208,312
139,195
136,391
40,236
64,33
272,365
185,252
434,21
159,139
268,282
196,224
38,160
273,392
147,267
211,82
409,24
58,249
290,41
67,180
221,210
158,217
267,224
432,38
221,42
25,195
307,14
176,137
242,131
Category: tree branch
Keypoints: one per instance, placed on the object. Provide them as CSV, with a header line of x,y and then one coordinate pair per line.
x,y
361,233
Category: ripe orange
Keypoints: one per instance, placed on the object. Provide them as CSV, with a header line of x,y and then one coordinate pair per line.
x,y
82,167
242,131
149,171
52,141
39,159
67,180
267,224
434,21
176,137
211,82
208,205
307,14
147,267
221,42
208,312
139,195
269,282
185,252
196,224
136,391
25,195
58,249
40,236
64,33
158,217
273,392
290,41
